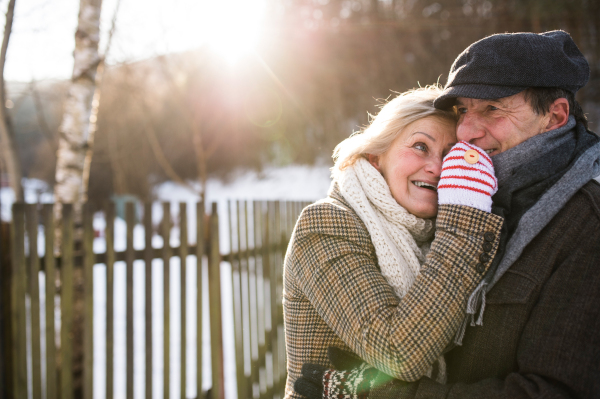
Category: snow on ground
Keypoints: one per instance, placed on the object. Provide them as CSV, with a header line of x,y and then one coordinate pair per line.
x,y
287,183
304,183
298,183
34,190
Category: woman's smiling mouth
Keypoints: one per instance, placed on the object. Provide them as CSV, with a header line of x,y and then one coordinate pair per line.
x,y
428,186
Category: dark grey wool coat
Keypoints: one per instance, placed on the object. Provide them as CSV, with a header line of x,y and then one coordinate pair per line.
x,y
541,329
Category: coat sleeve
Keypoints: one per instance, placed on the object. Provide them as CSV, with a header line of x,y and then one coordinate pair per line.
x,y
339,275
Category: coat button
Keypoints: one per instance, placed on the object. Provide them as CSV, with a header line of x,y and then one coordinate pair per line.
x,y
471,156
489,236
484,257
487,246
480,268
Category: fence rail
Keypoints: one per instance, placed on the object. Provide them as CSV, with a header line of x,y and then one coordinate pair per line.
x,y
258,233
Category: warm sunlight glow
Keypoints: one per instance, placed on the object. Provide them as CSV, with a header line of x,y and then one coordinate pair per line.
x,y
231,27
42,41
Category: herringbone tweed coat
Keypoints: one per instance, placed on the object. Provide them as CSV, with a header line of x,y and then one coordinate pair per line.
x,y
335,295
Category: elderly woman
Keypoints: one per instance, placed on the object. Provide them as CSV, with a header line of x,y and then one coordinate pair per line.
x,y
362,273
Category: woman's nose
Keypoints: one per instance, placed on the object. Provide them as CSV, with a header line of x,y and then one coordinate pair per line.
x,y
434,166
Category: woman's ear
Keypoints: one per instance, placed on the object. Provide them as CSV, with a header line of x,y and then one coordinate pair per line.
x,y
374,160
559,114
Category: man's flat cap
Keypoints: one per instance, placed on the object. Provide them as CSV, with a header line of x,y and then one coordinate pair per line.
x,y
505,64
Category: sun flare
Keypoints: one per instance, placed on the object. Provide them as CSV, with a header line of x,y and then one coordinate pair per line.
x,y
231,27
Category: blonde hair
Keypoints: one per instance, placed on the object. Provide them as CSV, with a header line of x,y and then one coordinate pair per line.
x,y
394,117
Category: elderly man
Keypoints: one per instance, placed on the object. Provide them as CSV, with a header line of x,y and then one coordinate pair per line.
x,y
533,325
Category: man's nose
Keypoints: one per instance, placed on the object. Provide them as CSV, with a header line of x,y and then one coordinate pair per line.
x,y
469,128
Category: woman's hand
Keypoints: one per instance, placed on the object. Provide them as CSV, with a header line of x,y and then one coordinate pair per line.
x,y
352,378
467,178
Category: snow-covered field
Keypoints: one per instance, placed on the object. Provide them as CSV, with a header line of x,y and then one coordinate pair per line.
x,y
289,183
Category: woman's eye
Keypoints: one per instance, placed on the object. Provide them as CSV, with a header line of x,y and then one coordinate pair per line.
x,y
461,110
492,108
420,146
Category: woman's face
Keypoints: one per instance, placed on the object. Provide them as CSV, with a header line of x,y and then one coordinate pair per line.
x,y
413,164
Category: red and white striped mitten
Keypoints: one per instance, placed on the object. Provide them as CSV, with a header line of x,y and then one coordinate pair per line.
x,y
467,178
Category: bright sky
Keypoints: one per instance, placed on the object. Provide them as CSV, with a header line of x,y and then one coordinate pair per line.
x,y
42,42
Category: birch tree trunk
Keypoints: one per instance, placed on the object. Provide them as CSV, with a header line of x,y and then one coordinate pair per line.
x,y
75,142
9,148
75,135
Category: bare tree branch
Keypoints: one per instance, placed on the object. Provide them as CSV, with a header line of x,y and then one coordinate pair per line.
x,y
7,31
162,160
202,156
9,152
39,114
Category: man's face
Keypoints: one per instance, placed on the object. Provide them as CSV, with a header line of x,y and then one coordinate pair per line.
x,y
497,125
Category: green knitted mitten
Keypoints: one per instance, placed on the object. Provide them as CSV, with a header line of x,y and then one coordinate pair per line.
x,y
355,383
351,379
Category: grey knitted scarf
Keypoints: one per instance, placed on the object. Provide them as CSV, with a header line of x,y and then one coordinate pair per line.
x,y
535,180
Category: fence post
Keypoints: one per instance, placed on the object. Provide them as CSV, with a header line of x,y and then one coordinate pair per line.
x,y
166,256
110,297
66,304
148,295
88,301
259,243
273,279
129,257
18,284
252,300
183,253
214,290
199,268
34,298
5,315
50,277
236,290
267,228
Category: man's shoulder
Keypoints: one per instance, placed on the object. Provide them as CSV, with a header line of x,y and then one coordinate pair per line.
x,y
578,221
592,190
588,197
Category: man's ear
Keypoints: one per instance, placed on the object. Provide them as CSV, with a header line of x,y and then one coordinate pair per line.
x,y
374,160
559,114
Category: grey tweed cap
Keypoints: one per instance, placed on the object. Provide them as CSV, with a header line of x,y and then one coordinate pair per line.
x,y
505,64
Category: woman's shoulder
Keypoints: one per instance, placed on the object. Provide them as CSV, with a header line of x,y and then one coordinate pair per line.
x,y
332,216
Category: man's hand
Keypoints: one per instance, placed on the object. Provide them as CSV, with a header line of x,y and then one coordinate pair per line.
x,y
352,378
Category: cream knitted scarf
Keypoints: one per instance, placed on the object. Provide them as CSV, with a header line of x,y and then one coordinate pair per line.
x,y
401,239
